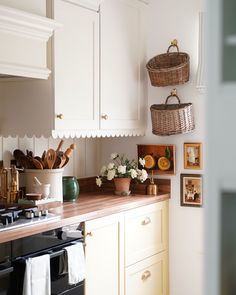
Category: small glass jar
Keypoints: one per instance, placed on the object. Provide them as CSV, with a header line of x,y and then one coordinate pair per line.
x,y
70,188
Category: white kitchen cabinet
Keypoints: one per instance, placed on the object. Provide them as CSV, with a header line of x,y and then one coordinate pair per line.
x,y
104,253
146,250
112,103
127,253
145,232
148,277
97,86
122,64
76,67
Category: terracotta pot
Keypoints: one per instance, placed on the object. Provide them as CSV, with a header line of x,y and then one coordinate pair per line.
x,y
122,186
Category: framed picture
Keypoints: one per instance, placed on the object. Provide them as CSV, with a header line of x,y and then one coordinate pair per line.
x,y
191,190
192,156
159,158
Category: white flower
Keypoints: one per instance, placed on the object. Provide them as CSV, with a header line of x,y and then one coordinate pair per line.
x,y
143,175
133,173
111,174
110,166
142,162
98,181
122,169
114,156
103,170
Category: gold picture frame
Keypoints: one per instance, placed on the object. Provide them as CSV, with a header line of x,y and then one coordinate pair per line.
x,y
193,155
191,190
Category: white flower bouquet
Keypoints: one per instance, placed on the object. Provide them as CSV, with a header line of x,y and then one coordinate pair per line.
x,y
121,167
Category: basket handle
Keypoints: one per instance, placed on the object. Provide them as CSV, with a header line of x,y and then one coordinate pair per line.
x,y
173,43
173,94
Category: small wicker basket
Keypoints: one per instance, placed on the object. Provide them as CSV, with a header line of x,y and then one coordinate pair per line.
x,y
171,68
172,119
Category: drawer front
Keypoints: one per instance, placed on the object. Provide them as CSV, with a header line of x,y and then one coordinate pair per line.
x,y
146,232
148,277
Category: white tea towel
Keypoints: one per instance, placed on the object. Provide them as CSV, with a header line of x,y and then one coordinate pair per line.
x,y
76,263
37,279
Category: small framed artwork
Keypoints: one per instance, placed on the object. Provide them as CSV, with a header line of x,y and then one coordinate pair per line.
x,y
191,190
193,156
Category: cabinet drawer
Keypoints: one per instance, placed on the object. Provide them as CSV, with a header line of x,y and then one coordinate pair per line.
x,y
146,232
148,277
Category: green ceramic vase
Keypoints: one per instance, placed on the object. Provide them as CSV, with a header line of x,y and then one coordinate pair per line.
x,y
70,188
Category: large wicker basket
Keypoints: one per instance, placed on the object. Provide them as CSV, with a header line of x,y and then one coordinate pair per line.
x,y
173,118
171,68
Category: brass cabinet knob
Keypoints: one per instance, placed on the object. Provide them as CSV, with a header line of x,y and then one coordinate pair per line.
x,y
89,234
146,275
60,116
105,117
146,221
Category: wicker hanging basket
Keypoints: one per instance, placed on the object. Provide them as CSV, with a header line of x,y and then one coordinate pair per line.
x,y
170,119
171,68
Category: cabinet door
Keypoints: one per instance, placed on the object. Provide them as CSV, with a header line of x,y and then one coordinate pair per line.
x,y
104,266
76,53
122,64
146,232
148,277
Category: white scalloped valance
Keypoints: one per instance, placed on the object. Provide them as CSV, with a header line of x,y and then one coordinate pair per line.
x,y
96,133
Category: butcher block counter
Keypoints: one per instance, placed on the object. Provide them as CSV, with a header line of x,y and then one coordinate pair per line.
x,y
89,205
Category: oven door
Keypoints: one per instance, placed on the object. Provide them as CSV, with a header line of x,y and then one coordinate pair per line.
x,y
5,267
59,282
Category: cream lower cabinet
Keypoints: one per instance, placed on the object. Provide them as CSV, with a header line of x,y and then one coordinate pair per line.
x,y
148,277
104,264
146,250
127,253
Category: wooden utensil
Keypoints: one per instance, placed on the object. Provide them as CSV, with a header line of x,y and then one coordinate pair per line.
x,y
59,146
69,151
37,163
64,161
51,158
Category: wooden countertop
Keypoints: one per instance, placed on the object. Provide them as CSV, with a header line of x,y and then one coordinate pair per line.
x,y
88,206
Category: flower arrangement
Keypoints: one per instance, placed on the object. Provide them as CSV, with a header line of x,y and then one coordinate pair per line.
x,y
121,167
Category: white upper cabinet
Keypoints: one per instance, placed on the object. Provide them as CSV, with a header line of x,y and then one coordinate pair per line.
x,y
76,66
98,86
122,64
99,63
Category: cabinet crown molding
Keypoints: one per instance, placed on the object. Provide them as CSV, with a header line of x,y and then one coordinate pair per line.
x,y
23,38
23,23
90,4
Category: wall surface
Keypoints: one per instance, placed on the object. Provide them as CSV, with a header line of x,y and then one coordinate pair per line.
x,y
168,20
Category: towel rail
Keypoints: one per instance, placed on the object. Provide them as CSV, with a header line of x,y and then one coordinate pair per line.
x,y
51,252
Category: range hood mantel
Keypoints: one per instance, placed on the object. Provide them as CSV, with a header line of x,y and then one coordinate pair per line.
x,y
23,38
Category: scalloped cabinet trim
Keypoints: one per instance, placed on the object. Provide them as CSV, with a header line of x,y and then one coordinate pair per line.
x,y
23,38
96,133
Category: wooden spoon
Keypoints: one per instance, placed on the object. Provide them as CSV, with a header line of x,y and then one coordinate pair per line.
x,y
37,163
51,158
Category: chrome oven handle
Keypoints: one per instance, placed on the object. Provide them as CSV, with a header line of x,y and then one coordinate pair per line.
x,y
6,270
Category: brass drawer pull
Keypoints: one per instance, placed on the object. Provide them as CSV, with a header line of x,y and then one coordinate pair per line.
x,y
146,221
89,234
146,275
60,116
